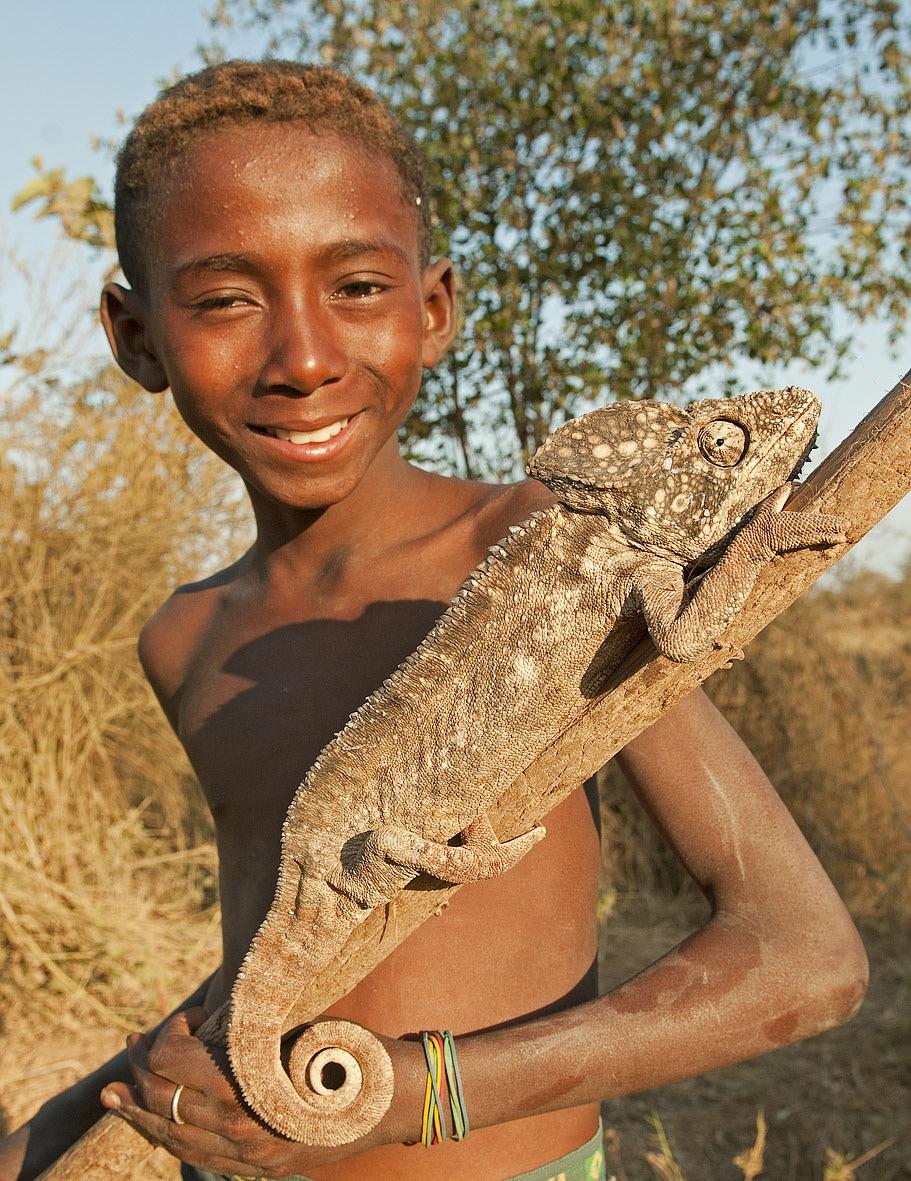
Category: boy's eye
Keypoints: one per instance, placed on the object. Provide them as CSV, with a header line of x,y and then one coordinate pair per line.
x,y
359,289
220,301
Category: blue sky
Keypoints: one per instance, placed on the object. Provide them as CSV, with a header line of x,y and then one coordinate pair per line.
x,y
67,69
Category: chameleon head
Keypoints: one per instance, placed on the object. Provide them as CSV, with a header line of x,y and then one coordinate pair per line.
x,y
677,480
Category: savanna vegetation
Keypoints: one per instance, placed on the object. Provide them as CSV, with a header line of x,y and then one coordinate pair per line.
x,y
640,197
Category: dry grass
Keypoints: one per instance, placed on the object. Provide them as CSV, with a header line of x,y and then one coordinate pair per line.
x,y
107,883
751,1161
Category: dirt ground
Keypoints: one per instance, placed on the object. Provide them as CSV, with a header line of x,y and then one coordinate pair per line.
x,y
848,1090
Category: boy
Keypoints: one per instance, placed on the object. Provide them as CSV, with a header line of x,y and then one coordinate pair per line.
x,y
273,226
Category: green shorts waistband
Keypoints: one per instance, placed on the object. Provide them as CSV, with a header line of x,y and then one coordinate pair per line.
x,y
582,1164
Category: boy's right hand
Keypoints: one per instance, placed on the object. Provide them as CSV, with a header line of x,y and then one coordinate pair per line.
x,y
218,1131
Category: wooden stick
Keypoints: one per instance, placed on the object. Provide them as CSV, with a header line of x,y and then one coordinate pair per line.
x,y
862,480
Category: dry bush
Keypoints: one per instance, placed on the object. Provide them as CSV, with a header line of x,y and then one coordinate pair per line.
x,y
107,879
822,700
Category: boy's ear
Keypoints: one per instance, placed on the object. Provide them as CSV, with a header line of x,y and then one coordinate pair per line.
x,y
440,310
123,314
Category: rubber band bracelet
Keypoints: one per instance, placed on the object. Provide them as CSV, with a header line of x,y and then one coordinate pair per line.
x,y
456,1094
444,1081
433,1122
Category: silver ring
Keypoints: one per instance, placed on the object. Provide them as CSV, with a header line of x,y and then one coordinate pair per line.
x,y
175,1099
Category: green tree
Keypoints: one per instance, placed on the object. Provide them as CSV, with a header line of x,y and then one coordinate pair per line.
x,y
638,195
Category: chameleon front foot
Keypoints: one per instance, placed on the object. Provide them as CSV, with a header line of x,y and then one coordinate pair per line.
x,y
772,531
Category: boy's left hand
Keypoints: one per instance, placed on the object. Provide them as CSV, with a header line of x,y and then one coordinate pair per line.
x,y
219,1133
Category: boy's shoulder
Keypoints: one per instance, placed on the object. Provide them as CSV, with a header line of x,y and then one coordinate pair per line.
x,y
509,504
170,640
170,637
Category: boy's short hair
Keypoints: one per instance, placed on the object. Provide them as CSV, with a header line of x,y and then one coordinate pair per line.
x,y
235,93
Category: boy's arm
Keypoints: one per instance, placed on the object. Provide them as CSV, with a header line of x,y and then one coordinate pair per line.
x,y
778,960
62,1120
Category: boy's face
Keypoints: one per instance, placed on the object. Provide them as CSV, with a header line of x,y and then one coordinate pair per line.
x,y
285,297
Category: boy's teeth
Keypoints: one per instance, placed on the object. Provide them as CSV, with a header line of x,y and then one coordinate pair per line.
x,y
320,436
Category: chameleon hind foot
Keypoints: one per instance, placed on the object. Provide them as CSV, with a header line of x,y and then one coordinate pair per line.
x,y
372,867
480,855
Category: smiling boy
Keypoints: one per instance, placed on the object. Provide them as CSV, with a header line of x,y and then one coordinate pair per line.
x,y
273,227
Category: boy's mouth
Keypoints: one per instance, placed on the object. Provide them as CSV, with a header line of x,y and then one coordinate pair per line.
x,y
322,435
319,443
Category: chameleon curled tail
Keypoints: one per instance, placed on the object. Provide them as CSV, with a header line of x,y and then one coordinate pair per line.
x,y
338,1081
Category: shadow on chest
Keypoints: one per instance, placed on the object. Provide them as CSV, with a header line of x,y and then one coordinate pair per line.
x,y
256,713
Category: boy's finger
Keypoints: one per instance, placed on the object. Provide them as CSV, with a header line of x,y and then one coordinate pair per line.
x,y
152,1091
193,1018
178,1056
181,1028
161,1098
215,1110
186,1022
118,1095
185,1141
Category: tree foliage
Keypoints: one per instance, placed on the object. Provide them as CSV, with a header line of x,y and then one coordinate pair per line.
x,y
83,213
638,196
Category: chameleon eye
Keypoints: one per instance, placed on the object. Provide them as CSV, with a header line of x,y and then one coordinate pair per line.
x,y
723,442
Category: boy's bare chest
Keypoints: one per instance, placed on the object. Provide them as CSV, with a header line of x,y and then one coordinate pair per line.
x,y
269,688
279,670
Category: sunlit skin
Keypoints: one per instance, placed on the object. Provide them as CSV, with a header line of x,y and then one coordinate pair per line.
x,y
285,290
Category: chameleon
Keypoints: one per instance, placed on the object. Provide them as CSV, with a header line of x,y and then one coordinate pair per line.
x,y
645,491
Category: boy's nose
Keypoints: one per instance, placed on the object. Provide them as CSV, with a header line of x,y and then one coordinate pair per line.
x,y
305,353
